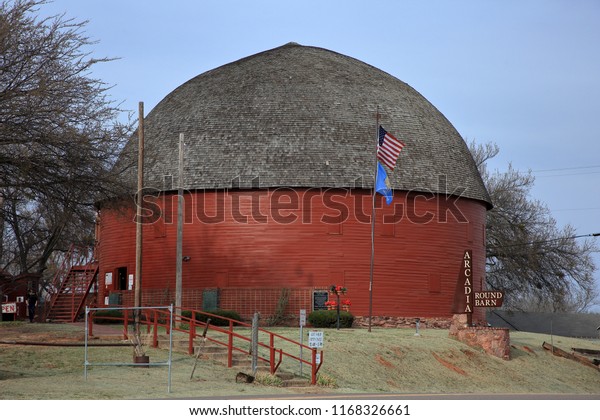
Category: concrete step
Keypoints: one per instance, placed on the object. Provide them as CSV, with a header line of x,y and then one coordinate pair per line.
x,y
296,382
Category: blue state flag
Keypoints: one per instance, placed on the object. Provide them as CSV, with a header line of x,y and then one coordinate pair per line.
x,y
382,184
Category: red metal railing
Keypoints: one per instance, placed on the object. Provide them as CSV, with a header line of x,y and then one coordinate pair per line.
x,y
75,256
222,336
84,287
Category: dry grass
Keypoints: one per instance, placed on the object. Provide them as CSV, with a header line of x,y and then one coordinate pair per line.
x,y
384,360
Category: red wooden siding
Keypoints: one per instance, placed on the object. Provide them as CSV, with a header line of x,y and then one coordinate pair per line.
x,y
417,260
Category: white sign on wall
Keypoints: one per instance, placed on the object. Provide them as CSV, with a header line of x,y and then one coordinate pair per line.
x,y
131,282
108,279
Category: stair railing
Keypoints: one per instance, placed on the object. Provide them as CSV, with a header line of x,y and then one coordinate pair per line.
x,y
85,286
222,336
75,255
58,279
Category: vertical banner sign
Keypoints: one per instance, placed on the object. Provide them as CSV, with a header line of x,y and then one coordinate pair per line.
x,y
463,298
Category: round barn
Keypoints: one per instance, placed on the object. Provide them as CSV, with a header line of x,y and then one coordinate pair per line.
x,y
279,163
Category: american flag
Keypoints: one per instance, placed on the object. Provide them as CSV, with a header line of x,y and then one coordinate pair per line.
x,y
389,148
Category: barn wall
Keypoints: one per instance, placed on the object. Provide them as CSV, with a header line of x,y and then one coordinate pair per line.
x,y
254,239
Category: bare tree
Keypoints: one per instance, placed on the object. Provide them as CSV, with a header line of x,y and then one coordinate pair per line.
x,y
540,266
59,136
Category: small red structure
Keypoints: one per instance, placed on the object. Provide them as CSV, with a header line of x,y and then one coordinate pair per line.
x,y
13,292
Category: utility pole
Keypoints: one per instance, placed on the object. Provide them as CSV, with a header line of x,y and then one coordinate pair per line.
x,y
179,256
138,227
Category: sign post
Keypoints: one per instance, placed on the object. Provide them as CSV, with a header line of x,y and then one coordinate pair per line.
x,y
302,324
315,341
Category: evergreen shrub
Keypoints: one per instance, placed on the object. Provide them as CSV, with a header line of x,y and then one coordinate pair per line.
x,y
328,319
213,320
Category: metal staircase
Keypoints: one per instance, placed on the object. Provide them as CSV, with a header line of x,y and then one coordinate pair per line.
x,y
71,287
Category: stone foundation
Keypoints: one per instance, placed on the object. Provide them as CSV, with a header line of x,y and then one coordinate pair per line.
x,y
494,341
400,322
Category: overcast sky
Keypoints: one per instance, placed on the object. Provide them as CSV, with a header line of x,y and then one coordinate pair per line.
x,y
524,74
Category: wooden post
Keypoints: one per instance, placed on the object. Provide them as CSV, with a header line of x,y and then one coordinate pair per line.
x,y
125,324
138,231
179,253
272,353
230,345
192,335
254,347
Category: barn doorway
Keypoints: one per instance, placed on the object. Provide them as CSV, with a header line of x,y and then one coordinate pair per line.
x,y
121,278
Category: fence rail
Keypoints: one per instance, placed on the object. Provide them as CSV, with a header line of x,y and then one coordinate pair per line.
x,y
229,336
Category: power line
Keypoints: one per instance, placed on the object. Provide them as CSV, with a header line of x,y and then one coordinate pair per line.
x,y
566,169
547,240
577,173
578,209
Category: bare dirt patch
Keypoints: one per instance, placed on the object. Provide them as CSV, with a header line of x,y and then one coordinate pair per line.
x,y
469,353
397,351
382,361
449,365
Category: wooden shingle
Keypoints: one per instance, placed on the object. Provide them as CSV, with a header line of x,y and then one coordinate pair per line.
x,y
299,116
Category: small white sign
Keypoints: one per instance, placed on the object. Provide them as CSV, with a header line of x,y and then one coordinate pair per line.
x,y
315,339
302,317
131,282
9,308
108,279
105,300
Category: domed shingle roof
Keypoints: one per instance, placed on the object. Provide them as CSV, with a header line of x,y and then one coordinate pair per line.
x,y
299,116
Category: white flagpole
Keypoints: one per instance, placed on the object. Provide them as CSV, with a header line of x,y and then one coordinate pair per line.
x,y
373,222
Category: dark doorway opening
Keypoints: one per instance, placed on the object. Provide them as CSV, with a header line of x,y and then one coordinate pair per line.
x,y
122,278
